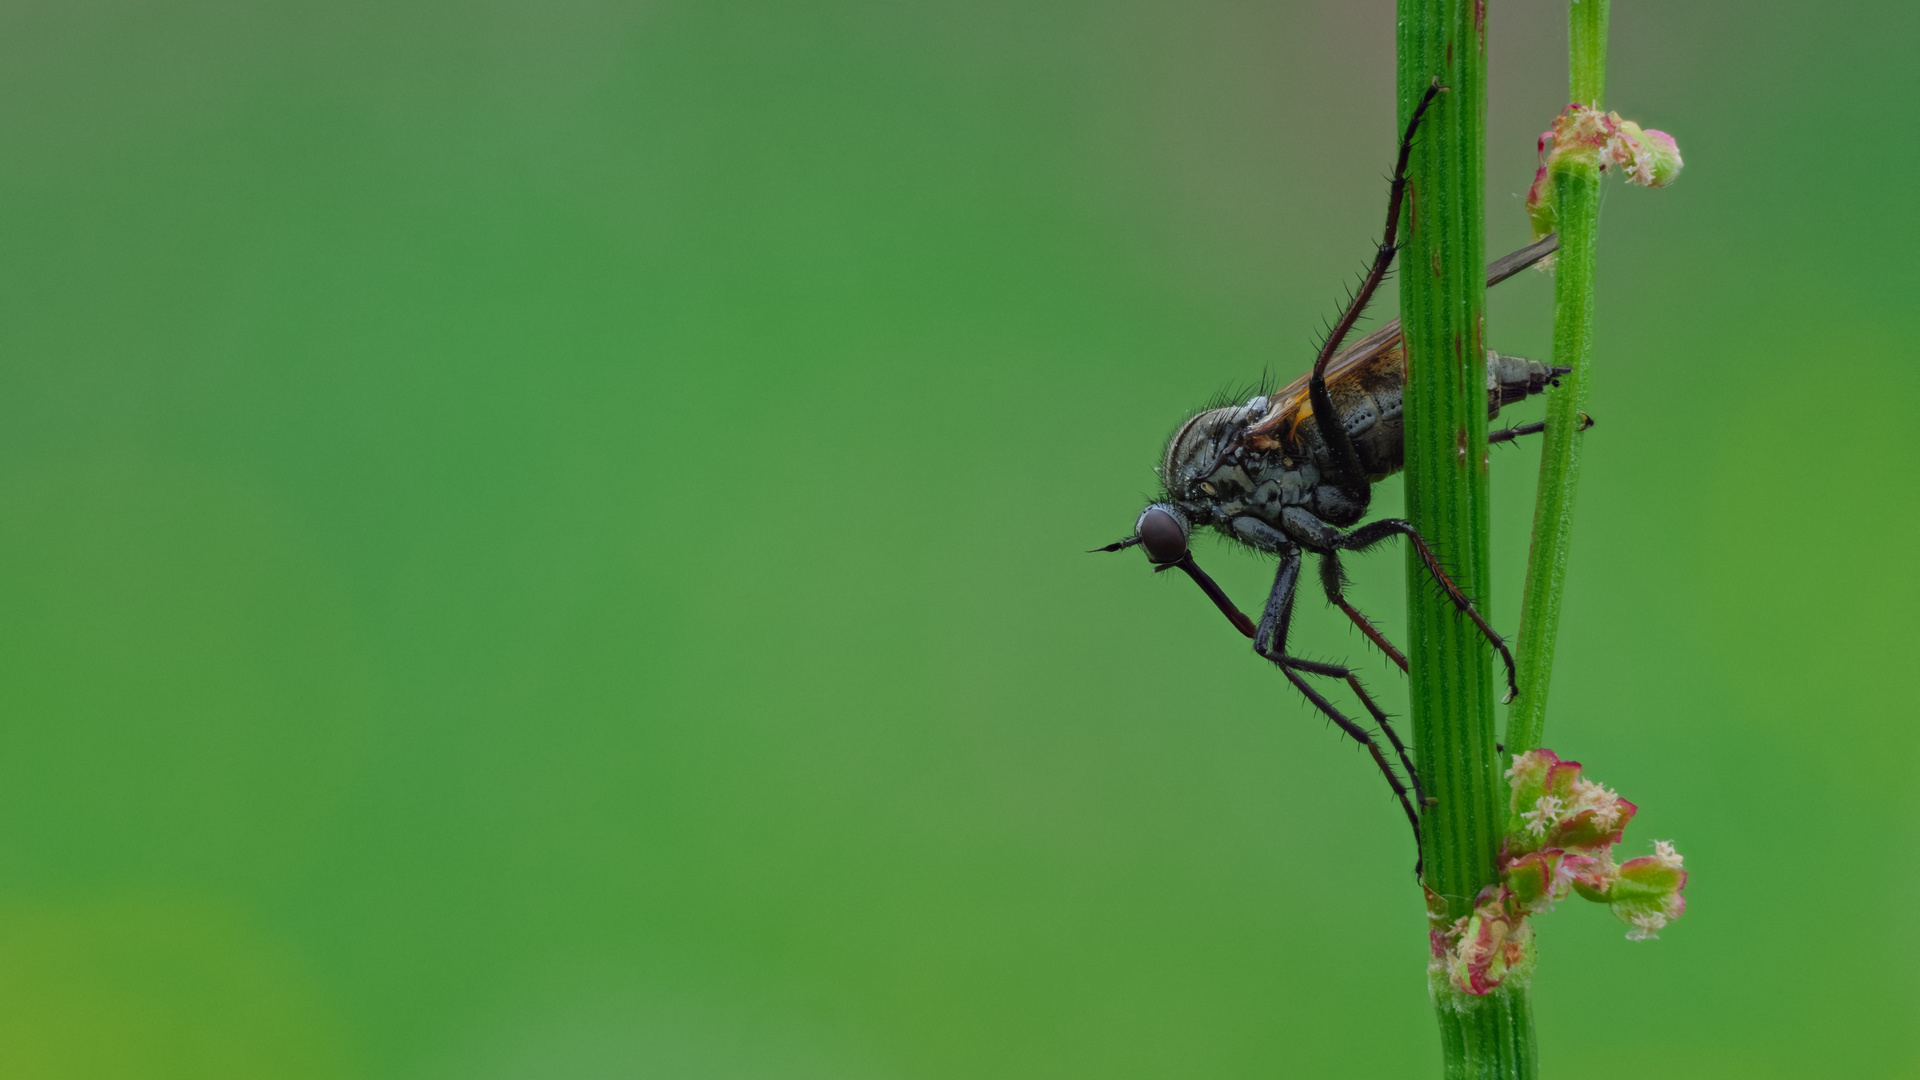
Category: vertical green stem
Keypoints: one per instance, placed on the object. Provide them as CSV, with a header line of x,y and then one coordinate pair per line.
x,y
1442,309
1576,195
1490,1036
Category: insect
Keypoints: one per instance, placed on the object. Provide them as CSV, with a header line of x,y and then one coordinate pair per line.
x,y
1272,475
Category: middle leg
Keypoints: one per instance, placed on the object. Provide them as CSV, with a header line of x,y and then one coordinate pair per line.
x,y
1302,526
1320,536
1374,532
1333,580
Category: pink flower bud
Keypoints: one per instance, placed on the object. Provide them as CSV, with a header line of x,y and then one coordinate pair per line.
x,y
1665,155
1492,942
1649,158
1590,875
1553,807
1594,826
1646,893
1534,878
1540,204
1561,831
1588,138
1527,820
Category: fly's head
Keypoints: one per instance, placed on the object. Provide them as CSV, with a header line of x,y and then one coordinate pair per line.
x,y
1203,476
1208,467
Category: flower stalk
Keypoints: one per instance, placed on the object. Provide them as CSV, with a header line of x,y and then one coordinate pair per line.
x,y
1571,188
1585,142
1575,193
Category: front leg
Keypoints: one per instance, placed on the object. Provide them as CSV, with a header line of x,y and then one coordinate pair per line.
x,y
1270,641
1319,536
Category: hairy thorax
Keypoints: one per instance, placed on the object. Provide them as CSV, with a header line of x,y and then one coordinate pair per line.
x,y
1214,488
1258,459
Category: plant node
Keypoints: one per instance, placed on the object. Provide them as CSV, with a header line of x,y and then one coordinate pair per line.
x,y
1560,836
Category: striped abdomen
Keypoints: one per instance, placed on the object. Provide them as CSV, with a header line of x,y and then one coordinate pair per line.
x,y
1367,398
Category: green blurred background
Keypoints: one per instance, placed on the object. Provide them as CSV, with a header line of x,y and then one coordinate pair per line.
x,y
543,539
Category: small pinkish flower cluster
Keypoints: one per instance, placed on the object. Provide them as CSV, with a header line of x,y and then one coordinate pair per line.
x,y
1583,135
1561,831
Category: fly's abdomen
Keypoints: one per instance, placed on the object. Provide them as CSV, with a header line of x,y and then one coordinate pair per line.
x,y
1368,402
1515,378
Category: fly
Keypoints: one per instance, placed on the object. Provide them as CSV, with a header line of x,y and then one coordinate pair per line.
x,y
1269,474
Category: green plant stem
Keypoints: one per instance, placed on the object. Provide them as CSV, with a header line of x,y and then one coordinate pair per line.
x,y
1576,195
1442,309
1587,51
1486,1036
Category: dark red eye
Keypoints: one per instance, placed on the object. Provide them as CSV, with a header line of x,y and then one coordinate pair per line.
x,y
1163,535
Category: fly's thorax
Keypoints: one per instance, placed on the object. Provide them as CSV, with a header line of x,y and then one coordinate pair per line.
x,y
1197,444
1213,487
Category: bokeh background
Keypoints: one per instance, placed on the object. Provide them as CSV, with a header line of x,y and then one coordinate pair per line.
x,y
544,539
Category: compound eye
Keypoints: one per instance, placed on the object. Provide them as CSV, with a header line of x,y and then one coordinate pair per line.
x,y
1163,535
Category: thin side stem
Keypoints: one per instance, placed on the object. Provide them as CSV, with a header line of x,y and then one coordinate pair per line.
x,y
1442,308
1577,191
1576,194
1587,51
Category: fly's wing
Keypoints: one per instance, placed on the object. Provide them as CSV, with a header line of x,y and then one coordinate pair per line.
x,y
1288,405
